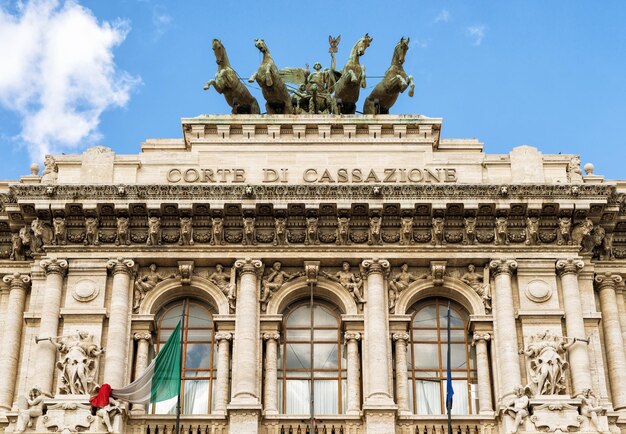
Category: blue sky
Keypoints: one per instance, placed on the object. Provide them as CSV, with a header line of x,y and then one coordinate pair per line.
x,y
547,74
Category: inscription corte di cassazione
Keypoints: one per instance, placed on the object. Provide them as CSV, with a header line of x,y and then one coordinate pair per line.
x,y
316,175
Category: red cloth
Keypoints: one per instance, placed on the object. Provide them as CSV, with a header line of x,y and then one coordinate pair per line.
x,y
102,398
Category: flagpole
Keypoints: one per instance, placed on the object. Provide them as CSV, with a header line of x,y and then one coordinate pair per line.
x,y
180,373
449,390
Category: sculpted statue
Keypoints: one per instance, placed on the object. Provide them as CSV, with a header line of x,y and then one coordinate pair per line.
x,y
469,231
186,232
154,231
591,408
352,78
227,83
314,92
606,248
395,82
91,232
312,234
437,232
518,409
145,284
26,237
217,232
50,171
563,233
59,231
574,174
42,234
343,231
78,364
121,236
249,231
501,237
277,98
399,283
406,231
108,411
280,231
532,231
17,248
582,236
29,408
352,282
547,363
273,281
476,282
373,234
226,283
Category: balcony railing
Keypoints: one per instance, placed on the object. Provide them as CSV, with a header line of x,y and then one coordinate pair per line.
x,y
301,425
439,425
166,424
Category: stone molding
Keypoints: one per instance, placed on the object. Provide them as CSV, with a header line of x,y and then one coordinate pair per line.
x,y
499,266
249,265
121,265
569,266
54,266
17,280
375,265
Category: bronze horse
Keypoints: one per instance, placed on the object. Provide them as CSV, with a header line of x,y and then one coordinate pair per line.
x,y
385,94
352,78
277,98
227,82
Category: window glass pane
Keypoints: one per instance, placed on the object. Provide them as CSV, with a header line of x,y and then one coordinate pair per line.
x,y
166,407
198,356
325,335
172,316
199,335
424,335
457,358
326,393
428,397
196,397
460,403
298,356
297,397
322,317
299,317
426,317
199,316
472,359
326,374
164,335
455,319
325,356
426,356
455,335
298,335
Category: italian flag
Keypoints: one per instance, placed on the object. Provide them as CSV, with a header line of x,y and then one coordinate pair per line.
x,y
161,379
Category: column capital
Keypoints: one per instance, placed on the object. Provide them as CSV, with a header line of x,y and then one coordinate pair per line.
x,y
121,265
352,336
375,265
485,337
271,336
54,266
223,336
146,336
249,265
607,280
499,266
569,266
16,280
401,336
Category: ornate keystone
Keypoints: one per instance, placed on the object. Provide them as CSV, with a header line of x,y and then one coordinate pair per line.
x,y
401,336
499,266
54,266
607,280
311,271
375,265
223,336
249,265
16,280
271,335
569,266
185,271
352,336
438,270
486,337
121,265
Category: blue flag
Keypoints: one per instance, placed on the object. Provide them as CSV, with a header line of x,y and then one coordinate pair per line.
x,y
449,389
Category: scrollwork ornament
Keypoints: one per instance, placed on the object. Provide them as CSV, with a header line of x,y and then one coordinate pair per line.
x,y
271,336
121,265
223,336
352,336
375,265
500,266
569,266
401,336
54,266
249,265
484,337
16,280
607,280
145,336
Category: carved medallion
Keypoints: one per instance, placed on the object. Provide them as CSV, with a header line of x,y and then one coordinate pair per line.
x,y
538,291
85,290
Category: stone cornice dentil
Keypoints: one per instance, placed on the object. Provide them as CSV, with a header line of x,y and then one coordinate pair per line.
x,y
54,266
17,280
375,265
120,265
607,280
499,266
249,265
569,266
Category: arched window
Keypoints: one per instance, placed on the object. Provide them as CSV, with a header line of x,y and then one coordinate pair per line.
x,y
199,370
311,349
427,358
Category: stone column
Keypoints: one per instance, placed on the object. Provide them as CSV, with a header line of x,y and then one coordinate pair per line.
x,y
354,373
485,405
402,377
621,308
11,339
246,345
613,342
141,363
506,332
580,367
377,333
117,338
271,372
223,367
46,353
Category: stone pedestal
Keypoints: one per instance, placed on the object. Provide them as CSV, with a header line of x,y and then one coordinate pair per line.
x,y
379,420
555,413
244,419
68,414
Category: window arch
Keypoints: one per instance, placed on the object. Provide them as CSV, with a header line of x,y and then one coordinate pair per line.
x,y
427,358
199,351
311,349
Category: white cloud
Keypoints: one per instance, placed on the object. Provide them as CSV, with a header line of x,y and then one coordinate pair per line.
x,y
161,20
421,43
443,17
476,34
59,73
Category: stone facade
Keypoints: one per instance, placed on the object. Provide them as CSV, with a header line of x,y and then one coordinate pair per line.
x,y
372,214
